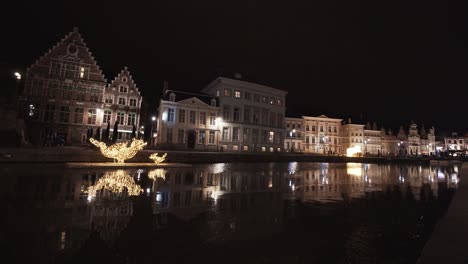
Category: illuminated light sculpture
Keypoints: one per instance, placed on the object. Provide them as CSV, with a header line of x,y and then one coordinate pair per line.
x,y
115,182
119,151
157,159
157,173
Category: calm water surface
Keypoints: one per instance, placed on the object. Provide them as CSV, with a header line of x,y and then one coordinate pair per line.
x,y
223,213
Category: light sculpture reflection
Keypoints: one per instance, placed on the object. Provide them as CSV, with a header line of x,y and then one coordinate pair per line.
x,y
115,182
157,173
119,151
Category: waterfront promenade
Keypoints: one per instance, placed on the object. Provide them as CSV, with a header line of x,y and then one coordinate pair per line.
x,y
449,240
88,154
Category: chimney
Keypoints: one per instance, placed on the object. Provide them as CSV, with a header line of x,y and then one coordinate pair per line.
x,y
165,87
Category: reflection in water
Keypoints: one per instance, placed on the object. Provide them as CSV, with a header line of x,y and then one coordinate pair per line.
x,y
325,183
157,173
116,182
296,212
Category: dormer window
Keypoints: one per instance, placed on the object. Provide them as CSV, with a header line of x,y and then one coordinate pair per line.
x,y
124,79
213,102
172,97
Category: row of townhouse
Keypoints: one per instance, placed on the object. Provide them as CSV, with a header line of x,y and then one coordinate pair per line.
x,y
238,116
66,95
332,136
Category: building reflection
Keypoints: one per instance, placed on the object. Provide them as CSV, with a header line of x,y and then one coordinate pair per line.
x,y
324,182
53,214
238,201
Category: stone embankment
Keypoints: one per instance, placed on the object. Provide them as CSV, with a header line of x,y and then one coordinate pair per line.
x,y
83,154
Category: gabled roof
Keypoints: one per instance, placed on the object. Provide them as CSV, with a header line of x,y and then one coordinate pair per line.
x,y
61,52
182,96
125,73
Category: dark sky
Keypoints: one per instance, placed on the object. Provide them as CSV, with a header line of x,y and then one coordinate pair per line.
x,y
387,61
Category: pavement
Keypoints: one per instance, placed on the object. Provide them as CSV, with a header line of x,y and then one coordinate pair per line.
x,y
449,241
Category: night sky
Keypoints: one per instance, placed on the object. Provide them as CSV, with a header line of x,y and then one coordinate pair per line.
x,y
385,61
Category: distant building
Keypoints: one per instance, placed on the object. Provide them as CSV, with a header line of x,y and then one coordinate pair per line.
x,y
252,115
352,139
294,138
188,121
413,146
454,143
428,143
372,142
390,143
66,95
322,135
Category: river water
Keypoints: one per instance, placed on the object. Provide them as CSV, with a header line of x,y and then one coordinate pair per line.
x,y
223,213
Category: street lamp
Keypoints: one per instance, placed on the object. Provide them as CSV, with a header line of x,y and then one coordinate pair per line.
x,y
153,120
18,76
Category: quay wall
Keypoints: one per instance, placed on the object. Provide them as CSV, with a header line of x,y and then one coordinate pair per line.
x,y
76,154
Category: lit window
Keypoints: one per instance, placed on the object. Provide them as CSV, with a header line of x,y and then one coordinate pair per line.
x,y
271,137
237,94
82,72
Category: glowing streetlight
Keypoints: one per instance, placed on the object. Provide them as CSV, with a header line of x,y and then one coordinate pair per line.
x,y
18,76
153,118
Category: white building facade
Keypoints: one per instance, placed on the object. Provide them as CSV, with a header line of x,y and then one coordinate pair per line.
x,y
252,115
192,123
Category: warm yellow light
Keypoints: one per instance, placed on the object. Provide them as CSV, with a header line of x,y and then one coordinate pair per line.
x,y
157,173
157,159
350,152
116,182
82,72
119,151
354,169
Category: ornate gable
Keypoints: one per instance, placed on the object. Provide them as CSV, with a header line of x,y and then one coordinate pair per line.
x,y
124,78
69,54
